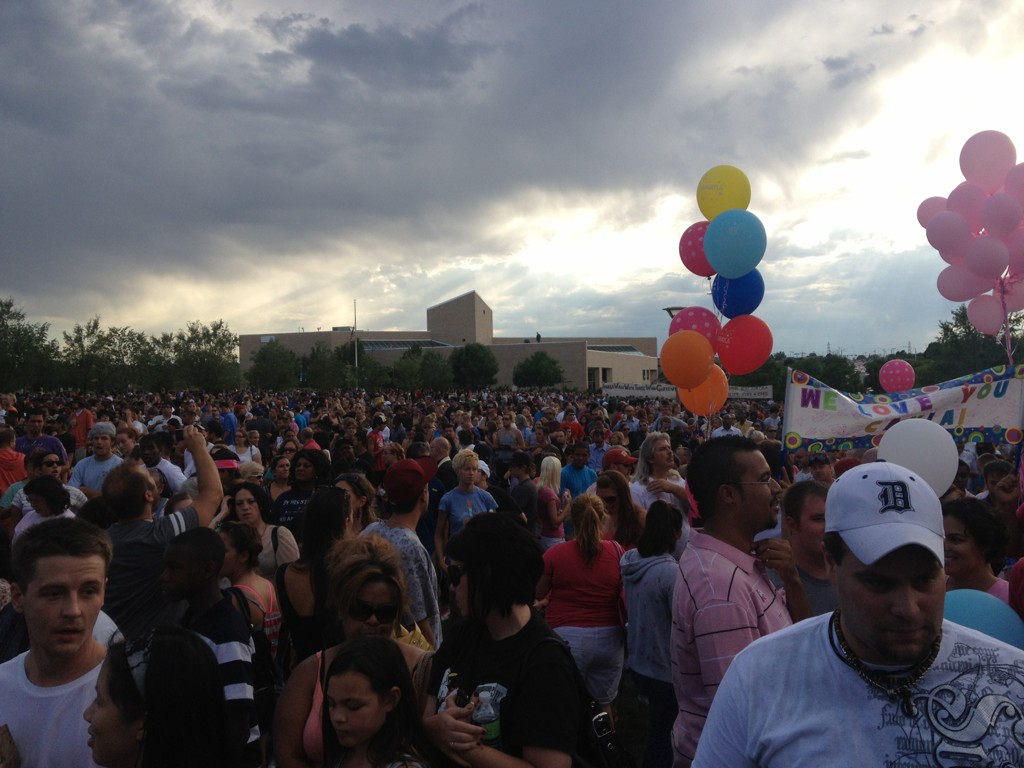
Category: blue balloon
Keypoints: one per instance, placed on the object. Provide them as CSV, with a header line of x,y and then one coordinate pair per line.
x,y
985,613
735,243
739,296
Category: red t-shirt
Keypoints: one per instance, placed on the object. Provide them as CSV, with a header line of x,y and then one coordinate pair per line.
x,y
581,596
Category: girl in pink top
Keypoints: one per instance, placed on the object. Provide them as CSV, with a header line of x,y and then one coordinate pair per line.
x,y
582,584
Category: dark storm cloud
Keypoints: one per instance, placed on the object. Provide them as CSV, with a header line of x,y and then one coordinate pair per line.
x,y
164,160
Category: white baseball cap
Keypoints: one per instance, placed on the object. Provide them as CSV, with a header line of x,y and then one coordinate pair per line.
x,y
879,507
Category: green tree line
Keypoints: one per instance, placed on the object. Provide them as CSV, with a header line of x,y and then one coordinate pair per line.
x,y
958,349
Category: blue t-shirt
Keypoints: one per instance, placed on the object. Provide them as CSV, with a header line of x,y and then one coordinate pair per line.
x,y
89,473
461,506
577,480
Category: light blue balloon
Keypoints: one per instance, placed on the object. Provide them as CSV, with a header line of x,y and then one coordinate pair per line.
x,y
985,613
735,243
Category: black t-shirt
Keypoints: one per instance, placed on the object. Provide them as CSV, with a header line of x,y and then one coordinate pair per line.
x,y
538,701
525,495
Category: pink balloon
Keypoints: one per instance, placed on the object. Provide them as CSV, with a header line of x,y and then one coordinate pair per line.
x,y
948,232
985,159
1015,249
957,283
987,257
1000,214
952,258
698,319
1014,184
691,250
986,314
967,200
896,376
929,208
1012,292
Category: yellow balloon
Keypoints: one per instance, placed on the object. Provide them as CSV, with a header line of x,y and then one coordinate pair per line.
x,y
723,188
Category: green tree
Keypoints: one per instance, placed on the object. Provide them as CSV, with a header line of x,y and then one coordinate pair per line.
x,y
274,367
84,355
435,372
538,370
773,373
838,371
960,349
156,367
406,373
28,357
473,366
326,368
206,356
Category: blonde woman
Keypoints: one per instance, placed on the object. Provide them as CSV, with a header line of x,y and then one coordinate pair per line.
x,y
582,584
551,509
244,447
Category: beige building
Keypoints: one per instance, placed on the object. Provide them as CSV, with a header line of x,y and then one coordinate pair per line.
x,y
589,363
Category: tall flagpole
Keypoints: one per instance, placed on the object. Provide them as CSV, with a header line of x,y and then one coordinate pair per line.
x,y
355,340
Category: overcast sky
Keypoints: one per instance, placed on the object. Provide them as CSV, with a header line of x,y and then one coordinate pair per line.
x,y
269,161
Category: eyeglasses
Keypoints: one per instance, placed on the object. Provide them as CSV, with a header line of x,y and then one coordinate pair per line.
x,y
609,499
52,463
762,481
455,574
360,610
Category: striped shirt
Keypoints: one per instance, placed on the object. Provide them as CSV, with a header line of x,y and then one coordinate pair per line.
x,y
229,637
723,602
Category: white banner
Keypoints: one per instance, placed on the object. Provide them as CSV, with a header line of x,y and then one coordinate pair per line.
x,y
751,393
982,407
640,390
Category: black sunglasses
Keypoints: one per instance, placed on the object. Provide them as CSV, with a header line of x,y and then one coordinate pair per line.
x,y
360,610
455,574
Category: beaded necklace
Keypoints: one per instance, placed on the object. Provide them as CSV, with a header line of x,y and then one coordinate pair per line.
x,y
891,685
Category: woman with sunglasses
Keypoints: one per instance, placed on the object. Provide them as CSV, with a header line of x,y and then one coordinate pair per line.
x,y
501,682
368,597
624,518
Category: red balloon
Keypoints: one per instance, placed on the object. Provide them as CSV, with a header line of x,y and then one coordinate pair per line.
x,y
744,344
691,250
686,358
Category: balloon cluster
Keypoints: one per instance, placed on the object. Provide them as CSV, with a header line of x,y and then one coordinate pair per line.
x,y
977,231
728,246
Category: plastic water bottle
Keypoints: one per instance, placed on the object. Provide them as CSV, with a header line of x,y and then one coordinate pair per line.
x,y
486,716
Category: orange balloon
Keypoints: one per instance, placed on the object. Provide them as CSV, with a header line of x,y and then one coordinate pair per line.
x,y
686,358
706,398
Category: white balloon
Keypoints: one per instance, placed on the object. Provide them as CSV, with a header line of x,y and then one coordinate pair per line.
x,y
924,448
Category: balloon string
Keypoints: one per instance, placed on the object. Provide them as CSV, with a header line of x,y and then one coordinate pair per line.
x,y
1007,338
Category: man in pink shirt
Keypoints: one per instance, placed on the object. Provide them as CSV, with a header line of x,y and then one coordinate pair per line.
x,y
724,599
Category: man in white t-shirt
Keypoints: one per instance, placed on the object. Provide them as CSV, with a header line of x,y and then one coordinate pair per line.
x,y
60,568
883,680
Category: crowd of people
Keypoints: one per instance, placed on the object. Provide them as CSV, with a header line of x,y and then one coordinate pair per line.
x,y
394,579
